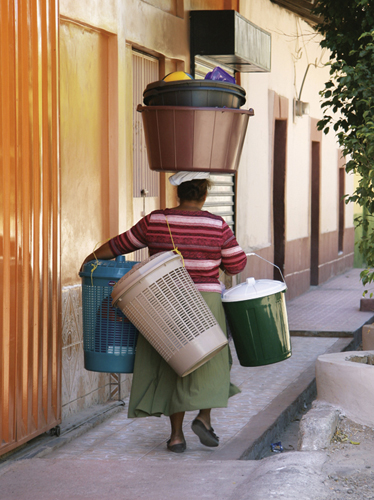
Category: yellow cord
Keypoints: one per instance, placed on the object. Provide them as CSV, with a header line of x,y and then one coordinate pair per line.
x,y
96,265
175,248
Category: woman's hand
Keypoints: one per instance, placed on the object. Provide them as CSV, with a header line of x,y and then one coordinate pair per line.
x,y
87,259
102,253
222,267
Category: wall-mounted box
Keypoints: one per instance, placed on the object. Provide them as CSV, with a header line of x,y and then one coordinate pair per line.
x,y
227,38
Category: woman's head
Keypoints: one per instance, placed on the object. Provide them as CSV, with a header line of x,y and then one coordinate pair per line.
x,y
194,190
191,186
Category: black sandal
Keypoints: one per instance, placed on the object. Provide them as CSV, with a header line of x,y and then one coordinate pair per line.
x,y
177,448
207,436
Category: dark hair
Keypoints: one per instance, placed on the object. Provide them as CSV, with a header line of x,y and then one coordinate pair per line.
x,y
194,190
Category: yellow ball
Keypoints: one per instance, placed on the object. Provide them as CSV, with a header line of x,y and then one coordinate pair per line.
x,y
177,75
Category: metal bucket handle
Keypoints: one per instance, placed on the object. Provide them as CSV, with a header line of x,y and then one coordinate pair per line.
x,y
268,261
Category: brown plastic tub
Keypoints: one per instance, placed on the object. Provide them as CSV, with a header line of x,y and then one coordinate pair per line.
x,y
194,139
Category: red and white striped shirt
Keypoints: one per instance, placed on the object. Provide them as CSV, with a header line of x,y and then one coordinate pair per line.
x,y
205,241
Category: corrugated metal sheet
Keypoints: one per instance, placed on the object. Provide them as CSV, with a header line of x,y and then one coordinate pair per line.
x,y
145,71
29,221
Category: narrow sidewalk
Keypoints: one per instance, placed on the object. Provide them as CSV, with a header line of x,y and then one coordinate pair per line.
x,y
330,309
267,391
325,319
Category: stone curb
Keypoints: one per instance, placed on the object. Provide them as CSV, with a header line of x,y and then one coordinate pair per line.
x,y
317,427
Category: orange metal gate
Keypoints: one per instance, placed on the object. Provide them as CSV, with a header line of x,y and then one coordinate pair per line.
x,y
30,348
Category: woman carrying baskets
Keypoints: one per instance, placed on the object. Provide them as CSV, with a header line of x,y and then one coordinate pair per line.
x,y
207,244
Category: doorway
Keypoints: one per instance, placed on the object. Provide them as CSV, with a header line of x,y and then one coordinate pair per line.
x,y
315,211
279,188
341,209
85,133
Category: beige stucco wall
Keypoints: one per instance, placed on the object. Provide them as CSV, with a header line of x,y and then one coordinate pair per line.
x,y
298,179
254,175
294,46
138,24
109,16
162,33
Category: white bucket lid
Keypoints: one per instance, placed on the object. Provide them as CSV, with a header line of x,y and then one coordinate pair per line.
x,y
253,289
141,270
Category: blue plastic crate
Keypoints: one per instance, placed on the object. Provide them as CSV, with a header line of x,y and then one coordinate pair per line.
x,y
109,339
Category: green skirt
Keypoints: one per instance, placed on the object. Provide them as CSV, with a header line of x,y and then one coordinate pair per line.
x,y
157,390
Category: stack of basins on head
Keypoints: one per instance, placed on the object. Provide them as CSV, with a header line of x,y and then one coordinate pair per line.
x,y
194,125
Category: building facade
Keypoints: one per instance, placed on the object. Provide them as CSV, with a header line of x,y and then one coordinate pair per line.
x,y
99,57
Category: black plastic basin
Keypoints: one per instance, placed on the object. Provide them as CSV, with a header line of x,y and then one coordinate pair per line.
x,y
194,93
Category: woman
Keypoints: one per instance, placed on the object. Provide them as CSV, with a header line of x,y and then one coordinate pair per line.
x,y
207,244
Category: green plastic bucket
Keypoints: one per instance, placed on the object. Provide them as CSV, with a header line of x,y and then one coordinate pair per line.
x,y
257,316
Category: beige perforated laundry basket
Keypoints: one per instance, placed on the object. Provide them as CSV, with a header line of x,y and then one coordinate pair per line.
x,y
161,300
